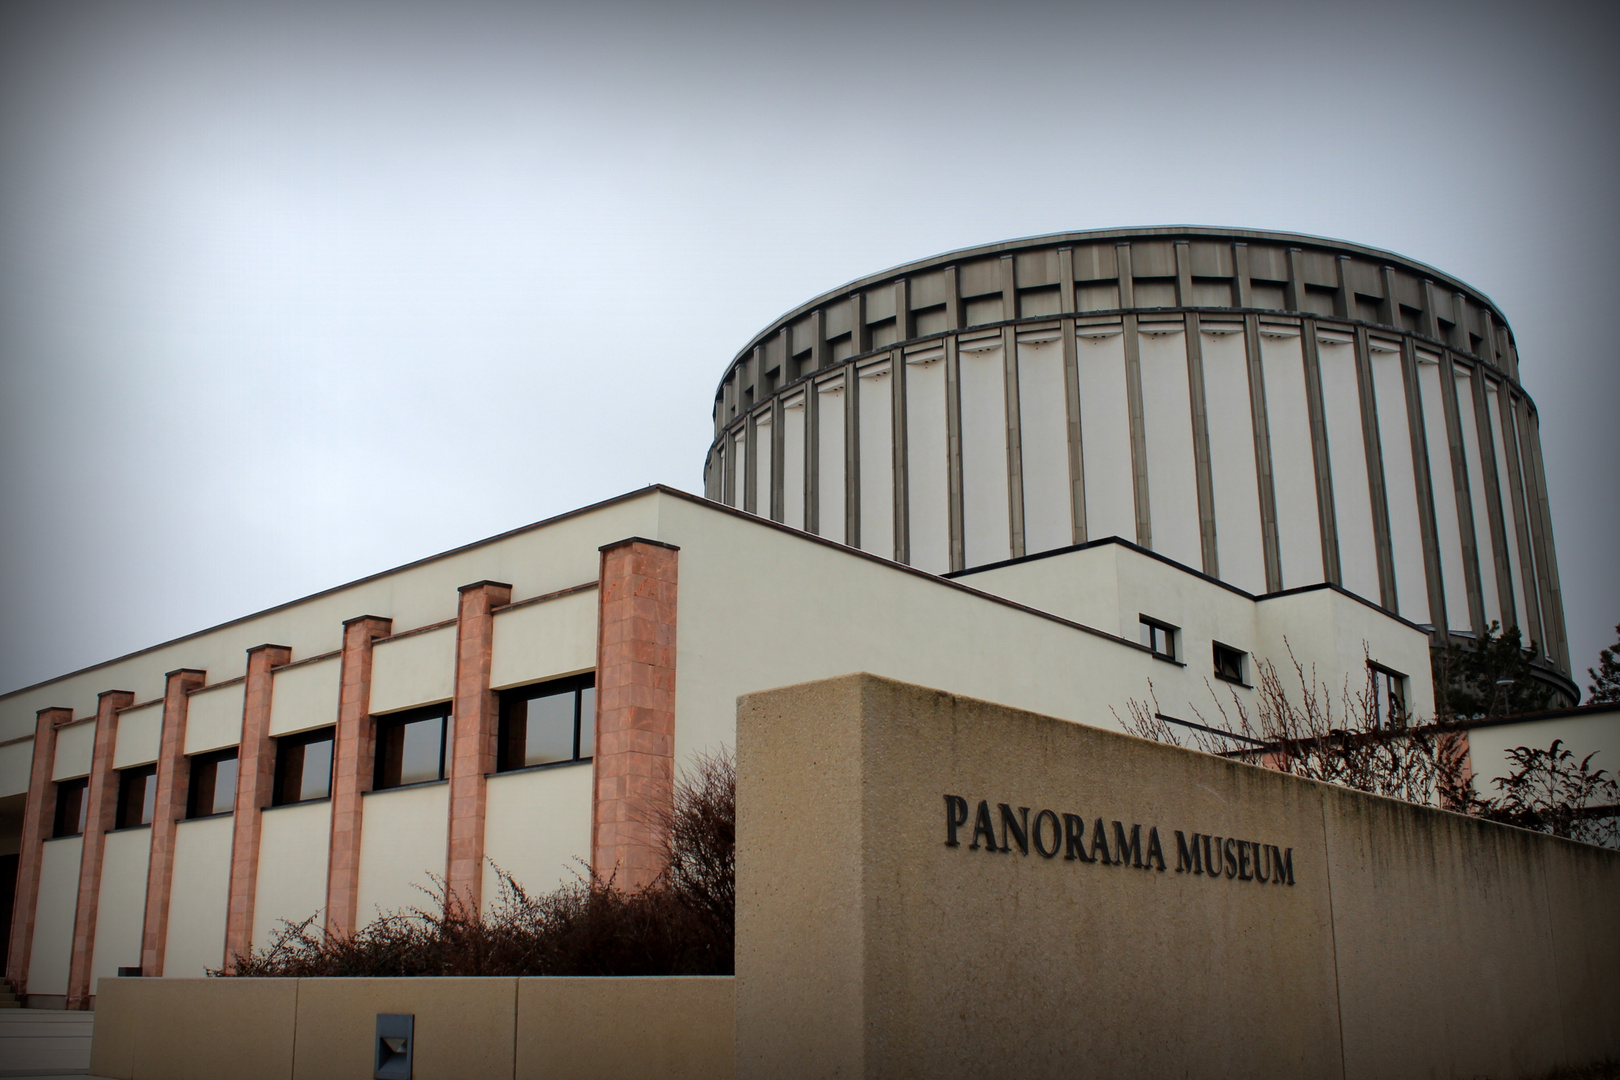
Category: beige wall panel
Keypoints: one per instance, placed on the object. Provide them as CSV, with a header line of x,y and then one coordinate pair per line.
x,y
74,746
16,762
1233,480
1105,434
866,946
1582,735
415,670
1352,498
140,732
830,468
402,842
983,404
464,1027
684,1028
1447,520
1400,482
544,640
214,719
305,696
293,852
1044,438
53,918
1167,420
793,445
1299,531
1421,1008
196,1029
1480,524
538,827
198,895
558,556
876,435
121,910
762,467
927,462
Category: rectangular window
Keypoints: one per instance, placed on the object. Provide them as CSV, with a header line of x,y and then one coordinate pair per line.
x,y
548,723
411,746
213,784
303,767
1388,696
72,804
137,793
1231,665
1160,637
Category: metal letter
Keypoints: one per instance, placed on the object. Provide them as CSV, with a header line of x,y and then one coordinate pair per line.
x,y
1074,835
1057,834
956,813
1020,832
983,827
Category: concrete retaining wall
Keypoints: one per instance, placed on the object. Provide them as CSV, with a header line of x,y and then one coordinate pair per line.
x,y
466,1029
1394,941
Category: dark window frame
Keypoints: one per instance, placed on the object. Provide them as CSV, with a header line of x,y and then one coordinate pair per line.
x,y
197,763
285,743
147,774
1241,678
1155,630
505,741
384,726
79,787
1389,694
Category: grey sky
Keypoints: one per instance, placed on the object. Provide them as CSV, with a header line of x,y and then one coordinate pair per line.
x,y
291,294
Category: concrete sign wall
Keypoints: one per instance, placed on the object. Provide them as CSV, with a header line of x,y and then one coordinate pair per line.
x,y
934,886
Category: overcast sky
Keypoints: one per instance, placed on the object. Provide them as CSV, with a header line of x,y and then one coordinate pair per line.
x,y
290,294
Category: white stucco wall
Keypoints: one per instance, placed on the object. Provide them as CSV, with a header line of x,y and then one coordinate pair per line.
x,y
415,670
140,734
198,897
53,920
305,696
75,745
537,825
403,839
293,846
1597,733
544,640
16,761
214,718
121,906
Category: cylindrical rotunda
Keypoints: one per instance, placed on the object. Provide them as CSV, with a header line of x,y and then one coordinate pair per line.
x,y
1272,410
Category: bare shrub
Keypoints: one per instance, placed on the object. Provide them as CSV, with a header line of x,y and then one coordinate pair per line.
x,y
1309,730
680,924
1549,791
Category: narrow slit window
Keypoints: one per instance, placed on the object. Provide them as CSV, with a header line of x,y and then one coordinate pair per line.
x,y
411,747
137,794
213,784
303,767
1160,637
72,804
1231,665
548,723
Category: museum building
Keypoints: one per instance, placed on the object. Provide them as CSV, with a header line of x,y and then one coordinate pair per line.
x,y
1062,474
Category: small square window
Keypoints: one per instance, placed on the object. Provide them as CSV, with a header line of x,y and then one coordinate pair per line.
x,y
1388,696
137,793
411,746
72,805
213,784
1160,637
548,723
303,767
1231,665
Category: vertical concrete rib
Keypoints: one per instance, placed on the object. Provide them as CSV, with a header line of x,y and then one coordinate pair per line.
x,y
353,752
1529,575
1425,490
1200,433
1326,511
852,457
1262,454
1464,492
255,776
953,440
1370,442
99,820
1015,441
1479,414
1541,527
902,458
474,731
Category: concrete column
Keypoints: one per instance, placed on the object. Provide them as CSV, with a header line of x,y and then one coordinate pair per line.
x,y
352,755
168,806
472,751
99,819
634,767
255,777
39,813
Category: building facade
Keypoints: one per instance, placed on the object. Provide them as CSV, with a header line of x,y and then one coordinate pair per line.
x,y
1274,410
1066,475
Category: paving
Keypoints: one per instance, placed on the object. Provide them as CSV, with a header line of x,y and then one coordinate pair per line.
x,y
45,1043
